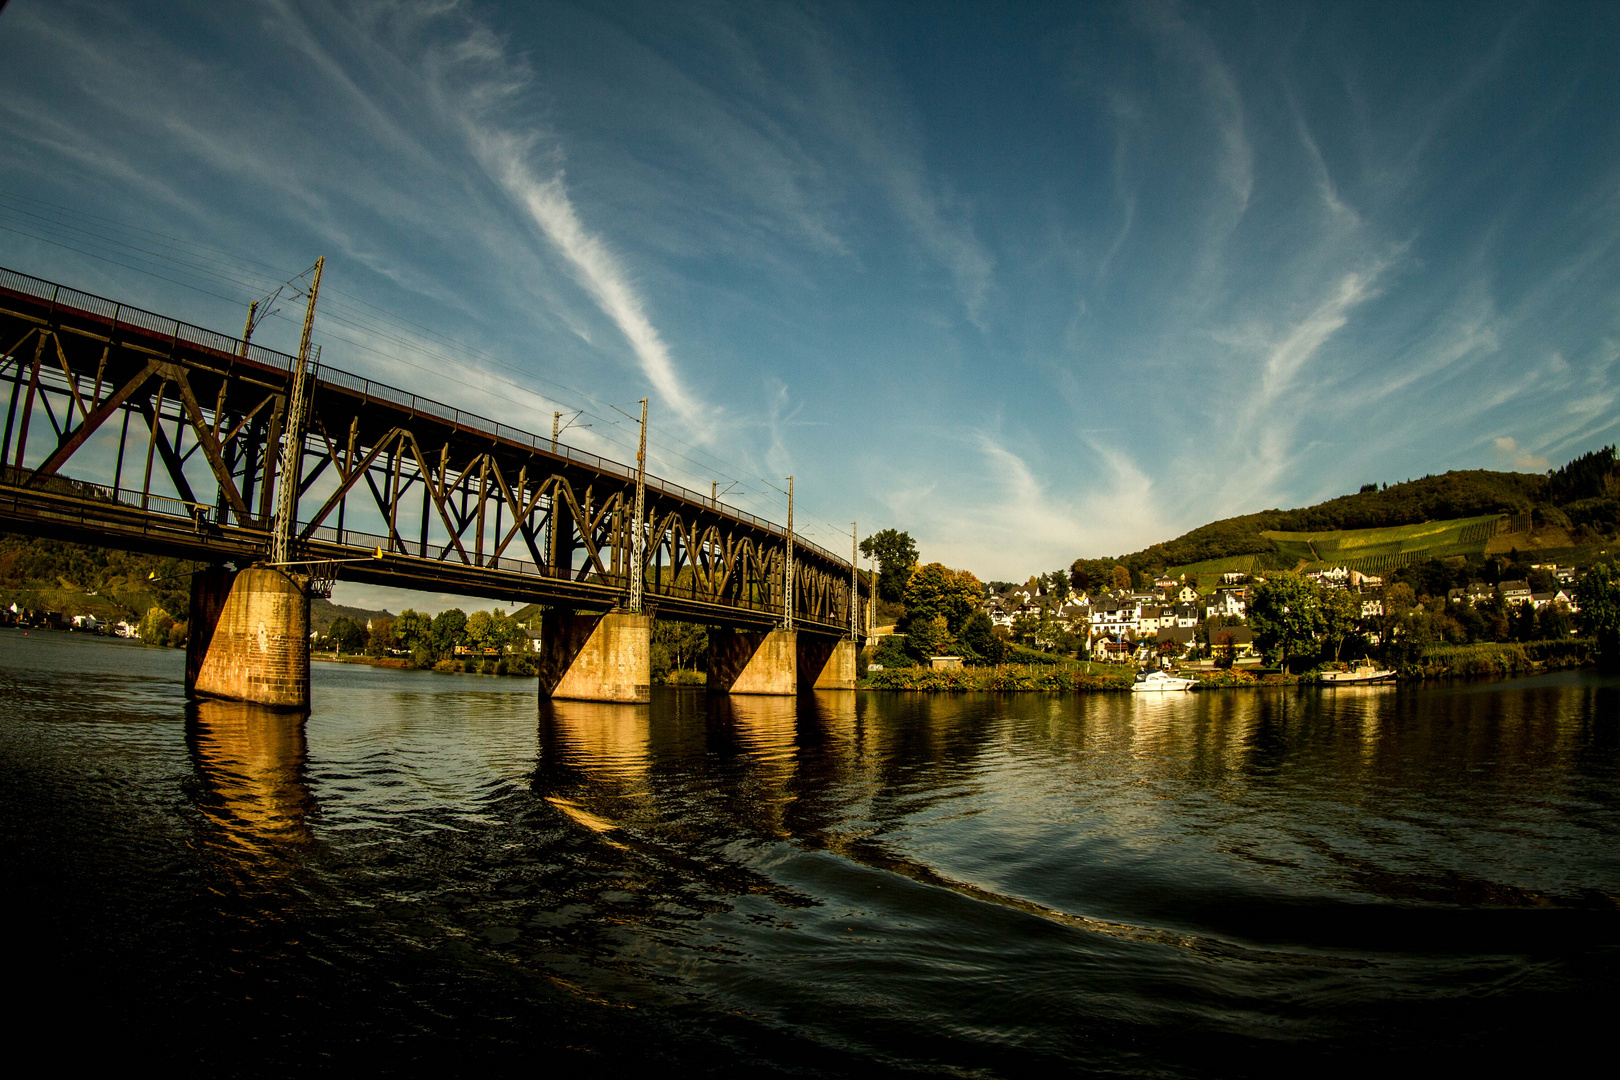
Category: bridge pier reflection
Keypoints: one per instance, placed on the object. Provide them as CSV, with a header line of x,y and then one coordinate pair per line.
x,y
252,762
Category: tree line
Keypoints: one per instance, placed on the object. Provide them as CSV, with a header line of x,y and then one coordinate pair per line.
x,y
1299,624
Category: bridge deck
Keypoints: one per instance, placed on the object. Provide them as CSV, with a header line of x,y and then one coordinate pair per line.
x,y
101,394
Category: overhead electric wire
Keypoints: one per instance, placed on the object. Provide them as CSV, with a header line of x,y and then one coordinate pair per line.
x,y
384,315
235,269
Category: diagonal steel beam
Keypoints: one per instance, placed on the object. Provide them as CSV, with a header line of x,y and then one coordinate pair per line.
x,y
349,479
75,439
213,453
435,494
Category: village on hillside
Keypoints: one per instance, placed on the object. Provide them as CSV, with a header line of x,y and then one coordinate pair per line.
x,y
1175,621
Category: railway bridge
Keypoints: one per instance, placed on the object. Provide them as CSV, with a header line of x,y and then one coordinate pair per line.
x,y
130,429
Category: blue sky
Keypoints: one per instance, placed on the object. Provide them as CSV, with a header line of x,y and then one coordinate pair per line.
x,y
1030,282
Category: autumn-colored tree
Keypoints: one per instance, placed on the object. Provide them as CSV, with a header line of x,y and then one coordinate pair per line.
x,y
927,637
382,637
1121,578
935,589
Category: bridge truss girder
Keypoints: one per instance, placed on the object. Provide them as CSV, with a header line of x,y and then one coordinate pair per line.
x,y
451,502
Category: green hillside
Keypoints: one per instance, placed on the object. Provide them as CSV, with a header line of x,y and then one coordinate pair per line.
x,y
1456,513
1386,548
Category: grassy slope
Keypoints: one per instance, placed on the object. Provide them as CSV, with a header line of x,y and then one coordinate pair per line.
x,y
1354,547
1458,506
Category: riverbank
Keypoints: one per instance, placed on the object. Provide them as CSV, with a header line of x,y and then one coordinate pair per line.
x,y
1497,659
504,666
1489,660
1003,678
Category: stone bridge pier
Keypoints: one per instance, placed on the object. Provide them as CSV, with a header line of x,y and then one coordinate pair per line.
x,y
596,656
780,662
249,637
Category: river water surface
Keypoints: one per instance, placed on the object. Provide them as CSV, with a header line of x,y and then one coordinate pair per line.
x,y
445,871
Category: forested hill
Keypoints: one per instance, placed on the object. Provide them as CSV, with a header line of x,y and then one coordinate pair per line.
x,y
1583,495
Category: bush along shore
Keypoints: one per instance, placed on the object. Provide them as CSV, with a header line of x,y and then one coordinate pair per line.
x,y
1483,661
1498,659
1052,678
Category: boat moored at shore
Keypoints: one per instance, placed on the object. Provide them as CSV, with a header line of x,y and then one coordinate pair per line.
x,y
1151,681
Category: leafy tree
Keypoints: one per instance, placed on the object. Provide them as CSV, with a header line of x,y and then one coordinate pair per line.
x,y
937,590
382,637
1472,622
347,635
1555,621
978,639
1413,632
1598,596
1080,575
896,554
1286,615
891,652
477,630
504,631
1056,586
928,636
412,629
155,626
1025,629
449,629
1120,578
1524,622
1398,600
683,643
1341,614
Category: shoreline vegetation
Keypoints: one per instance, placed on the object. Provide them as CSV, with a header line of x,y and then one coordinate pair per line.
x,y
1444,663
1438,664
1441,663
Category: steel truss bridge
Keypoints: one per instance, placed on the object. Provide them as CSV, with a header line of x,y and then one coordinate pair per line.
x,y
129,429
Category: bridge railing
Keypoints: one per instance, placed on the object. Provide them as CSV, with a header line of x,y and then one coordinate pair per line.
x,y
117,315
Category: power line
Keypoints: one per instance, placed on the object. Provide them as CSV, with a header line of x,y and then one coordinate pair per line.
x,y
234,269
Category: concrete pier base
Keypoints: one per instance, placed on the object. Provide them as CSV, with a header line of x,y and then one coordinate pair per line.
x,y
591,656
249,637
826,663
753,662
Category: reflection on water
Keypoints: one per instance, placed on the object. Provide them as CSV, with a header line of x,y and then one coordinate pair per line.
x,y
252,763
1184,884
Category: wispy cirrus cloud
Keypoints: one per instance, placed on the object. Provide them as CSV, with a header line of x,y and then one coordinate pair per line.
x,y
487,92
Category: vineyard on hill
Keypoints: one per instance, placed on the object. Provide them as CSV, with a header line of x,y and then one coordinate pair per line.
x,y
1570,514
1378,550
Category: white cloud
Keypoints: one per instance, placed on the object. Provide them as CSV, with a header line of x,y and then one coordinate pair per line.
x,y
1508,448
1004,521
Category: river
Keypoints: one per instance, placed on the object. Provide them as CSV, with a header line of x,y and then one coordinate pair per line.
x,y
443,872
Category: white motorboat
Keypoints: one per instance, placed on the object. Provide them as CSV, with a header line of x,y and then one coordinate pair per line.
x,y
1360,675
1149,681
